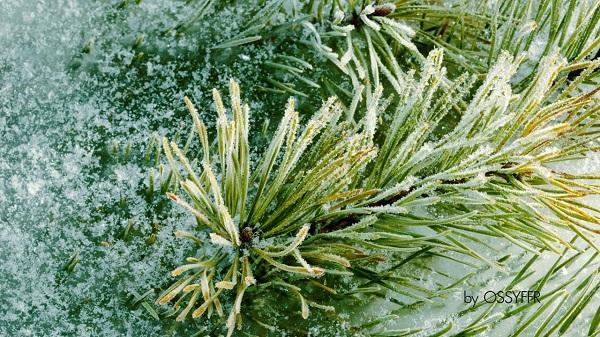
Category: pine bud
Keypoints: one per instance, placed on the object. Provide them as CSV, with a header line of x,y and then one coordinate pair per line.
x,y
383,10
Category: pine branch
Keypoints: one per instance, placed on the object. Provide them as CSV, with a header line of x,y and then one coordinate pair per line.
x,y
484,176
446,162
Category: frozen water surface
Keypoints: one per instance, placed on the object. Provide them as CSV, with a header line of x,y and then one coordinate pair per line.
x,y
71,91
75,93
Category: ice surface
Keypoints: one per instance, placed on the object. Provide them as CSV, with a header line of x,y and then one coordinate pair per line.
x,y
62,190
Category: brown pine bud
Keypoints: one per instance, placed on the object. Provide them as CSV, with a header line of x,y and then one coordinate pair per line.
x,y
246,234
383,10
